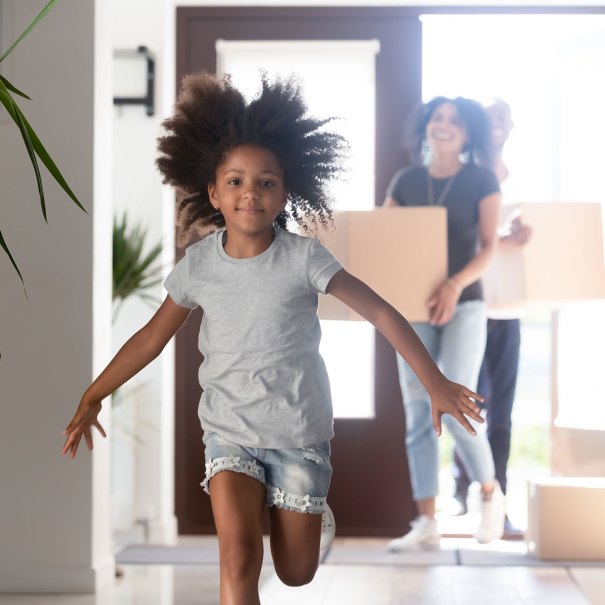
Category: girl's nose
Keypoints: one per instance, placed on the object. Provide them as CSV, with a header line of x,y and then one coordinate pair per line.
x,y
251,191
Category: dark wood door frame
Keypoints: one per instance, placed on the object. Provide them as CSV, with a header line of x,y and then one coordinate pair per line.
x,y
365,453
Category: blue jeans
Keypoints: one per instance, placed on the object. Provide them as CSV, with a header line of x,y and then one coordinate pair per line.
x,y
497,383
457,347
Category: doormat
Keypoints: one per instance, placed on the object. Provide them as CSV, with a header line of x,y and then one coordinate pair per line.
x,y
357,551
202,550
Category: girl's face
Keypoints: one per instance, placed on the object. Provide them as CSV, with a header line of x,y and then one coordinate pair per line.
x,y
249,190
445,133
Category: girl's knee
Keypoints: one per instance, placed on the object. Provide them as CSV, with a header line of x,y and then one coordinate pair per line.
x,y
297,574
241,560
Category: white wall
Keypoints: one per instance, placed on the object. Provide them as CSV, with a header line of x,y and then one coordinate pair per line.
x,y
54,525
143,442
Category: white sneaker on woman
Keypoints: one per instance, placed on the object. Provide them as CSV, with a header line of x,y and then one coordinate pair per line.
x,y
423,534
328,528
493,514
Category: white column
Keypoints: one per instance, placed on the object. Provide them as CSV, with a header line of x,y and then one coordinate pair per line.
x,y
143,461
54,512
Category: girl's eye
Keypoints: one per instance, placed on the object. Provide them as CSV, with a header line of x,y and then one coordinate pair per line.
x,y
234,181
267,183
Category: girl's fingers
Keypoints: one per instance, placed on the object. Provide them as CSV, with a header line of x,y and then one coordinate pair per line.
x,y
69,442
461,418
75,443
470,404
74,432
473,395
437,422
74,447
472,414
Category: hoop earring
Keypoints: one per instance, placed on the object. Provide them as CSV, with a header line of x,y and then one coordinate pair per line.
x,y
425,152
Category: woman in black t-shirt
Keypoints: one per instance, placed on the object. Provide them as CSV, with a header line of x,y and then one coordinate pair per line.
x,y
453,145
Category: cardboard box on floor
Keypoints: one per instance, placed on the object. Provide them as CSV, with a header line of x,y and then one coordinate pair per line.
x,y
565,518
401,253
562,261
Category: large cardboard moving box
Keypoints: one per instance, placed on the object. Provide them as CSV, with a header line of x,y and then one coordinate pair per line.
x,y
562,261
565,518
401,253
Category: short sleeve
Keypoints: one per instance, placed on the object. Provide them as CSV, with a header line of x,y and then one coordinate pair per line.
x,y
393,190
321,265
177,283
489,184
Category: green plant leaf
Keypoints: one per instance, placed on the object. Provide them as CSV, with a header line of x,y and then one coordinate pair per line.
x,y
19,119
31,26
133,272
49,163
10,256
29,135
13,88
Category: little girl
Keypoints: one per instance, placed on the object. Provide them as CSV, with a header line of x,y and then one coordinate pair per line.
x,y
250,170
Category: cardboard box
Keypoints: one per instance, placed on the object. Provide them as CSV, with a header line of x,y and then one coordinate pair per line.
x,y
565,518
401,253
562,261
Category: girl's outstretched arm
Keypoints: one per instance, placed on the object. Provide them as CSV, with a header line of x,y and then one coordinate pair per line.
x,y
446,397
140,350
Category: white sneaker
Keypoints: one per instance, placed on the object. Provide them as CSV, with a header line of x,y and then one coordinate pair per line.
x,y
423,534
493,514
328,528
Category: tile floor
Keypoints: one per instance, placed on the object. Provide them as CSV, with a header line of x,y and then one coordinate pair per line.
x,y
342,579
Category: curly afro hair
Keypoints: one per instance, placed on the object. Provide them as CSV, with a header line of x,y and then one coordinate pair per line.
x,y
212,117
479,147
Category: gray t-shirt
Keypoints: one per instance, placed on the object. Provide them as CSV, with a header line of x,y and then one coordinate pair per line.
x,y
265,383
409,187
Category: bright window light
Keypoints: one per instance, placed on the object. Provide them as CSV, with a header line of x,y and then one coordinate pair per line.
x,y
338,79
550,71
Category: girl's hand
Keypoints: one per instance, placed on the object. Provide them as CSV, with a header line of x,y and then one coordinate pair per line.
x,y
442,303
82,422
457,401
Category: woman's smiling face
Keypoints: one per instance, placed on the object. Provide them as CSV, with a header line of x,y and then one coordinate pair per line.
x,y
445,132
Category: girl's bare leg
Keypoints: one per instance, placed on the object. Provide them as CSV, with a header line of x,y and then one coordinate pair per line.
x,y
237,505
295,545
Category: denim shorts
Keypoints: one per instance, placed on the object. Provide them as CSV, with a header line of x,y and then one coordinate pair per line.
x,y
295,479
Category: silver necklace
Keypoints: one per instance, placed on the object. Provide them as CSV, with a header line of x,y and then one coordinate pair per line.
x,y
446,189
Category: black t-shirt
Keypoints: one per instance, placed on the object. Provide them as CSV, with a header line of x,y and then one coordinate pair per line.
x,y
409,187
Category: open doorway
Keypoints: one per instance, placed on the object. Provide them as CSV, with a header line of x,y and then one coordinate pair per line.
x,y
549,69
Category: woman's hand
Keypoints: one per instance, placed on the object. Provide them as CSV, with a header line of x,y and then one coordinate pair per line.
x,y
457,401
82,422
442,304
